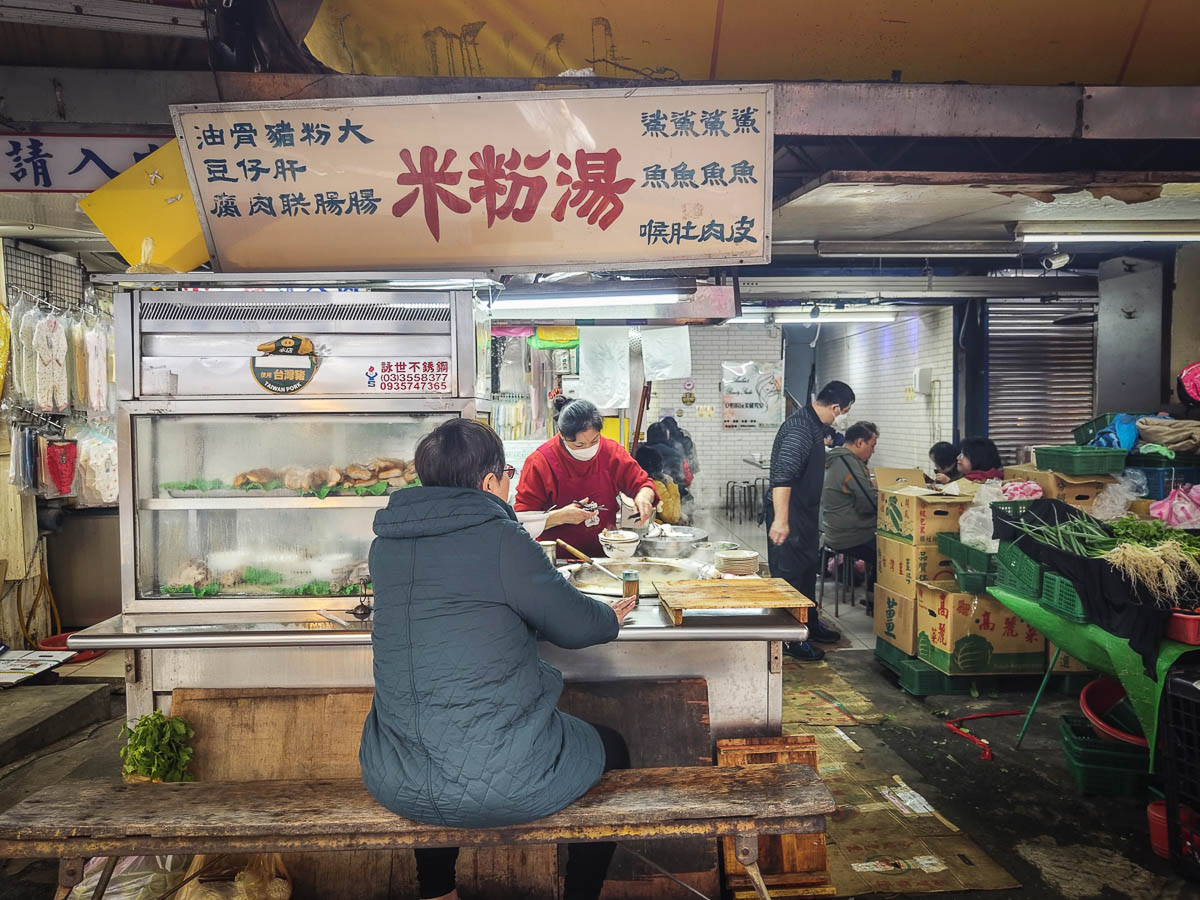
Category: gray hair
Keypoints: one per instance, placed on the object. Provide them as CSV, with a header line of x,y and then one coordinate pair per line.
x,y
576,416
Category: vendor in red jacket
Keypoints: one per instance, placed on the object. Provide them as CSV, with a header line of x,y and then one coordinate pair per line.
x,y
575,466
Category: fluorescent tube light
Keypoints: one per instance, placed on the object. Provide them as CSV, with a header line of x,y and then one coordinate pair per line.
x,y
1124,232
591,300
832,317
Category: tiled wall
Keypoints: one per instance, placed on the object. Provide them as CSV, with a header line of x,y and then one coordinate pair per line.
x,y
877,361
720,452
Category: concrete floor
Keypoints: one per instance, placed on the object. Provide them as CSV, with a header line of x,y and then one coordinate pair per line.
x,y
1021,807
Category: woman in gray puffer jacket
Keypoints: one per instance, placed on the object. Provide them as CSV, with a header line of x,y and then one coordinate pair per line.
x,y
463,730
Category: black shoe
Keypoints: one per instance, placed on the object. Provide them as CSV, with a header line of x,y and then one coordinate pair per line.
x,y
823,635
803,650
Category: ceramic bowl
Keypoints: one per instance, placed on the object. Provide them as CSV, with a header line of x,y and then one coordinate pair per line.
x,y
619,544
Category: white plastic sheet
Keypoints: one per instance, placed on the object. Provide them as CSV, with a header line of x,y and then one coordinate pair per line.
x,y
667,352
604,366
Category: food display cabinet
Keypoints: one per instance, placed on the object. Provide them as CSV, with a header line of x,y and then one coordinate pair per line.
x,y
262,421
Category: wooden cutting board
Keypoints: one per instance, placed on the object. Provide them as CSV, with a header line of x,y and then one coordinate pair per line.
x,y
750,593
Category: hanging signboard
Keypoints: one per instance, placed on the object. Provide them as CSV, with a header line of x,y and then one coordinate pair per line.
x,y
546,180
68,163
751,394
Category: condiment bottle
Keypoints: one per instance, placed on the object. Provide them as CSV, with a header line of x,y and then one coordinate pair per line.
x,y
630,586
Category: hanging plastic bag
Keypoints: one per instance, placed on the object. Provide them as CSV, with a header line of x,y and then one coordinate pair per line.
x,y
975,526
134,878
1179,510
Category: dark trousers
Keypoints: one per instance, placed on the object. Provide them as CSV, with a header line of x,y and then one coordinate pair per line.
x,y
587,864
797,563
867,553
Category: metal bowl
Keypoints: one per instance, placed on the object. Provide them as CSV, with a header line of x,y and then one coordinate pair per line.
x,y
706,551
679,545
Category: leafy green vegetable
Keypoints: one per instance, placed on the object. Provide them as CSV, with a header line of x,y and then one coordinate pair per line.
x,y
261,576
1152,533
374,490
209,590
272,485
196,484
323,491
157,747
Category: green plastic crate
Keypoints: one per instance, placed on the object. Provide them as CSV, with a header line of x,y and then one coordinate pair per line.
x,y
1073,460
1081,741
1155,461
1018,571
1084,433
1111,781
973,582
889,654
970,558
1013,508
1060,596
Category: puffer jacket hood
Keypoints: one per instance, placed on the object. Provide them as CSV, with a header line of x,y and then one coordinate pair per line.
x,y
433,511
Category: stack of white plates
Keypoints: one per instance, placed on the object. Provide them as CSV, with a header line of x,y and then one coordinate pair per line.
x,y
736,562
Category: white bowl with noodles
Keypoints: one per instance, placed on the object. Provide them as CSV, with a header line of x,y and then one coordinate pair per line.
x,y
620,544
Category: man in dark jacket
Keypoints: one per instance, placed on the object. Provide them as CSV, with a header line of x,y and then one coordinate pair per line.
x,y
849,501
463,730
792,508
673,461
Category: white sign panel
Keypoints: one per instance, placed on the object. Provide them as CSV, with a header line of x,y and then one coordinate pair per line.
x,y
538,180
68,163
752,394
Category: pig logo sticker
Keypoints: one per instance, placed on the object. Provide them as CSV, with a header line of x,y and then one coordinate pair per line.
x,y
287,364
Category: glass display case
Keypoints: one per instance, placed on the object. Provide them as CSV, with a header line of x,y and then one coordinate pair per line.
x,y
242,506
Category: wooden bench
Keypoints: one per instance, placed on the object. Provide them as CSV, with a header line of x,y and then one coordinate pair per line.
x,y
115,820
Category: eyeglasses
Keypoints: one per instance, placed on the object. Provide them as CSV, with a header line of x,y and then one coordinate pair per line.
x,y
508,471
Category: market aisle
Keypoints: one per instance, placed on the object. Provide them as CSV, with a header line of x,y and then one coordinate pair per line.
x,y
1021,809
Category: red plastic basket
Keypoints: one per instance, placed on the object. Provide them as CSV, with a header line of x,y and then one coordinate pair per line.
x,y
1096,700
59,642
1184,627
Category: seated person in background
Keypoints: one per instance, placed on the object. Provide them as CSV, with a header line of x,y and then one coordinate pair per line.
x,y
849,502
670,510
673,461
833,437
944,457
682,441
463,729
979,460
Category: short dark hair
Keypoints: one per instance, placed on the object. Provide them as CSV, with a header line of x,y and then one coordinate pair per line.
x,y
576,416
943,454
836,393
650,460
657,434
459,453
861,431
981,453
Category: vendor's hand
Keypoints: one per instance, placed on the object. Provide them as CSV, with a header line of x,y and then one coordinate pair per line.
x,y
779,532
623,607
568,515
941,478
644,501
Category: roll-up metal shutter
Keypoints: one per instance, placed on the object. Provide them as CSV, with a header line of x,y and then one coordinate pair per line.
x,y
1041,376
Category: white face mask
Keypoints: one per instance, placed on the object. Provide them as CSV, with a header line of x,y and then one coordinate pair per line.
x,y
842,422
583,455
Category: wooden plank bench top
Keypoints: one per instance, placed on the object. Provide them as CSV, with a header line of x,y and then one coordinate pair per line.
x,y
108,819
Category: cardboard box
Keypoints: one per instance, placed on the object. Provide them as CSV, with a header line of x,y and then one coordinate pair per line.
x,y
900,565
970,634
918,515
886,479
1077,490
1141,508
1067,664
896,619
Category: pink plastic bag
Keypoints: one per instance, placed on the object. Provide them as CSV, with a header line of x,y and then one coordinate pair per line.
x,y
1180,509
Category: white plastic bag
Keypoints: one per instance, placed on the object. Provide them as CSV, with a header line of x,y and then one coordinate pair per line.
x,y
134,878
975,529
1113,502
604,366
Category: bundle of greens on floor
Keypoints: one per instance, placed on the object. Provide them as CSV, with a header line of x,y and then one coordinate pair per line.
x,y
1164,561
157,749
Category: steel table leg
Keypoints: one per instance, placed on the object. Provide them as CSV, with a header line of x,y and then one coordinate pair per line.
x,y
1037,698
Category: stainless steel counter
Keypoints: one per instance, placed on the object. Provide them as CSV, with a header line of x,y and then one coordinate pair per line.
x,y
148,631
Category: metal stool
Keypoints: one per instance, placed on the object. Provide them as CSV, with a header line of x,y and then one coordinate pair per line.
x,y
738,499
843,577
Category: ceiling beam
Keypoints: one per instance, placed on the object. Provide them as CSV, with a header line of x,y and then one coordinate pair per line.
x,y
108,15
58,96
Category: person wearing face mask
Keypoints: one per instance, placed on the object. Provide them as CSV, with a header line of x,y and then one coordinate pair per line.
x,y
792,508
575,466
463,729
